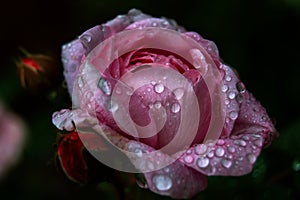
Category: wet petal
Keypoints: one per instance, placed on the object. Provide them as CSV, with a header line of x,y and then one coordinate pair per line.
x,y
155,22
92,37
208,45
72,55
233,156
175,180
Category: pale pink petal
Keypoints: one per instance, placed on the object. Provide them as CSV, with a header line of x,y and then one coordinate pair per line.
x,y
72,54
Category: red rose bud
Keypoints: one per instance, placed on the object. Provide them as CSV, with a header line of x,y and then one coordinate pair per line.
x,y
38,72
76,163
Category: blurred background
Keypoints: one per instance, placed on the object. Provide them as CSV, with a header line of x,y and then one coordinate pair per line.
x,y
261,39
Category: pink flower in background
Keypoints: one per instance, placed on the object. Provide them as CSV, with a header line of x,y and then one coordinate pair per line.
x,y
12,138
181,87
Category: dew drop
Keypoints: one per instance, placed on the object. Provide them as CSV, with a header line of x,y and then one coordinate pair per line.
x,y
231,149
202,162
224,88
88,94
157,105
141,181
179,92
228,78
200,149
113,106
251,158
258,142
105,86
220,152
240,87
210,154
175,108
231,95
227,102
233,115
220,142
80,82
226,163
162,182
154,24
239,98
188,159
86,38
159,88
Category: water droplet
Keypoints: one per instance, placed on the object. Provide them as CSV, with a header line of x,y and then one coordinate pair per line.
x,y
220,152
246,137
202,162
231,95
159,88
240,87
231,149
179,92
118,90
162,182
157,104
138,152
80,82
228,78
240,142
239,98
141,181
251,158
220,142
224,88
226,163
189,151
105,86
258,142
188,159
175,108
200,149
233,115
113,106
227,102
154,24
88,94
210,154
86,38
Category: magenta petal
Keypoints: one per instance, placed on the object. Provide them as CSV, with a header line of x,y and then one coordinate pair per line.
x,y
92,37
156,22
233,156
176,181
72,54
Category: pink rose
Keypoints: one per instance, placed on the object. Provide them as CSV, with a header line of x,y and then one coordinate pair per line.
x,y
161,96
12,140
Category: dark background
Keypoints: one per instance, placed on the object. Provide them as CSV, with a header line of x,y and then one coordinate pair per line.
x,y
258,38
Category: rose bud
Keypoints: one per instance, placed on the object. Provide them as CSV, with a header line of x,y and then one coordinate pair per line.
x,y
12,140
76,162
161,97
38,72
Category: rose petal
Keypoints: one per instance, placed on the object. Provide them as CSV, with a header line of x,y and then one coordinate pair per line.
x,y
208,45
92,37
72,54
233,156
175,180
71,159
155,22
